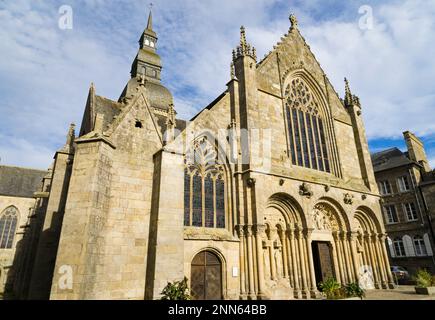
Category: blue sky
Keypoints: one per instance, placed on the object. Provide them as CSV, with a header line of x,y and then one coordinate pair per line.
x,y
45,72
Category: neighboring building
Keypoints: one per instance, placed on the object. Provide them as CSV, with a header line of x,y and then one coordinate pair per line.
x,y
407,185
17,187
266,192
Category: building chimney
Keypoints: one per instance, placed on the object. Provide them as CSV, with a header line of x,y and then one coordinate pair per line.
x,y
416,150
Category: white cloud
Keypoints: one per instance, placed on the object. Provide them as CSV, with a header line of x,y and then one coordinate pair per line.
x,y
45,72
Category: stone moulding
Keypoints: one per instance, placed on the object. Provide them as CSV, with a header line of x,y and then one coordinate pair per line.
x,y
193,233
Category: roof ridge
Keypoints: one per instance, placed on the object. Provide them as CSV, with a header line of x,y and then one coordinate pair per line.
x,y
25,168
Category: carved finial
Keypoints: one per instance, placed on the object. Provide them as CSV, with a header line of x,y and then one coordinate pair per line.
x,y
71,135
293,21
349,98
242,37
171,115
244,49
233,71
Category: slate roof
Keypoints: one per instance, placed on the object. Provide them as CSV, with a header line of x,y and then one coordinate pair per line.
x,y
390,158
20,182
161,121
107,107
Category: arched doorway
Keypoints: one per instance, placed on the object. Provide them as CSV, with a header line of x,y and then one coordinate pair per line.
x,y
206,277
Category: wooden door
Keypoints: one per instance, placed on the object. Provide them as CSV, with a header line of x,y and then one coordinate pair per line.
x,y
206,277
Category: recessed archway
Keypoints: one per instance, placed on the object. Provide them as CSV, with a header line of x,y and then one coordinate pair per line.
x,y
206,276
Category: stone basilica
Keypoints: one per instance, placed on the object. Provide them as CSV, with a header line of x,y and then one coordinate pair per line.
x,y
265,193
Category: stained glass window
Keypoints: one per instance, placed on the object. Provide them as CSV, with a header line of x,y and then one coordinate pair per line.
x,y
209,210
220,203
325,153
197,201
297,137
291,134
8,225
307,135
304,139
204,188
186,198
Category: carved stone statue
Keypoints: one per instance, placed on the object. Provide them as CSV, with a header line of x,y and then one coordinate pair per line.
x,y
305,190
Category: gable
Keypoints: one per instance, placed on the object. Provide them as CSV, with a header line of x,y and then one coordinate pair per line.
x,y
293,55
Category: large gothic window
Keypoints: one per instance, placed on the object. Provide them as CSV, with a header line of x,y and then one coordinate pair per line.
x,y
305,128
8,224
204,187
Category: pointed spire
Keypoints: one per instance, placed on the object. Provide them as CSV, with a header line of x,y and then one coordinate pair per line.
x,y
148,39
150,20
244,49
349,98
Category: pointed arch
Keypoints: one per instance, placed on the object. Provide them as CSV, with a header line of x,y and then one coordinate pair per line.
x,y
206,184
311,134
8,226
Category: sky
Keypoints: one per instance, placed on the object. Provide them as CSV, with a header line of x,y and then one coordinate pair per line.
x,y
49,56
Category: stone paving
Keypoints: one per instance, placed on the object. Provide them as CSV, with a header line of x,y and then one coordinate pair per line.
x,y
400,293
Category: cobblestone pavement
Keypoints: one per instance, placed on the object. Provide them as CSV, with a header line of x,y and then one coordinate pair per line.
x,y
400,293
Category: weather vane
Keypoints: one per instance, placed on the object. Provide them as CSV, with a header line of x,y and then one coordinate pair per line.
x,y
151,5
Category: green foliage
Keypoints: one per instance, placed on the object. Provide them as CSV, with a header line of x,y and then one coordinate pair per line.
x,y
333,290
178,290
424,279
354,290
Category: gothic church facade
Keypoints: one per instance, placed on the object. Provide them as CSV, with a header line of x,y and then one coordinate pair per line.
x,y
265,193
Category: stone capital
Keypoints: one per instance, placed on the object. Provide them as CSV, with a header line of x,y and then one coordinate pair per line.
x,y
240,230
248,230
259,229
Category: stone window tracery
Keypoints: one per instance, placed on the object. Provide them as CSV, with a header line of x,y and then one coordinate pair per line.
x,y
8,225
305,128
204,187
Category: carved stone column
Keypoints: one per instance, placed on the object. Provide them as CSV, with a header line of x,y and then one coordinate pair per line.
x,y
313,289
340,258
302,263
352,239
380,261
289,259
376,261
294,259
335,259
284,253
372,261
383,238
346,260
259,230
241,235
251,286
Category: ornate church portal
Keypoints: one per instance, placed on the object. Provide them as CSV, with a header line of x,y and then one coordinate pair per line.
x,y
301,250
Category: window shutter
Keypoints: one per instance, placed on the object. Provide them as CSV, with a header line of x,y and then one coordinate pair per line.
x,y
391,247
409,246
427,244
